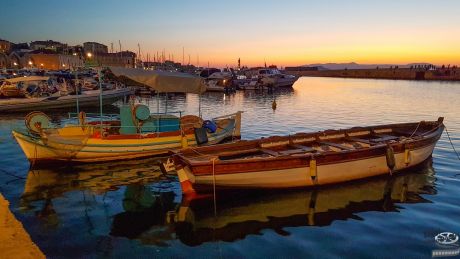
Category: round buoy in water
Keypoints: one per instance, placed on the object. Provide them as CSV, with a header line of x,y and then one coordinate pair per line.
x,y
36,121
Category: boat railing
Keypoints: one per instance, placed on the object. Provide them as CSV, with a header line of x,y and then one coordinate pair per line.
x,y
110,116
94,122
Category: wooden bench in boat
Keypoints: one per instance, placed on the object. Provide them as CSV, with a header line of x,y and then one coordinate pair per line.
x,y
383,138
270,152
361,140
304,148
337,145
292,151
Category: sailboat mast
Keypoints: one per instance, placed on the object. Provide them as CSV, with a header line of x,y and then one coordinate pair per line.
x,y
100,95
76,91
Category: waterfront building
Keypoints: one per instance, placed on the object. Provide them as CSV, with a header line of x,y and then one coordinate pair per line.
x,y
55,61
5,46
95,48
48,45
4,60
119,59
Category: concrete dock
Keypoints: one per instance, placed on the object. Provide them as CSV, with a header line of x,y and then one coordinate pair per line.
x,y
15,242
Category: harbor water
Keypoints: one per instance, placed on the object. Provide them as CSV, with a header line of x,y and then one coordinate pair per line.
x,y
130,209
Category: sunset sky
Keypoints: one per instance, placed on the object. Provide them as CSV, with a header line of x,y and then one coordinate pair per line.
x,y
286,33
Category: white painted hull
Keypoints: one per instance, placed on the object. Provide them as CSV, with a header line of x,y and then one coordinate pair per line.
x,y
36,149
300,177
78,147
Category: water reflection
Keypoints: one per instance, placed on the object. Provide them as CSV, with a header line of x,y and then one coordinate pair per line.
x,y
152,211
244,215
98,178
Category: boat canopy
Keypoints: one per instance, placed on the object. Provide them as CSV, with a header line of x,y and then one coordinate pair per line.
x,y
163,82
27,79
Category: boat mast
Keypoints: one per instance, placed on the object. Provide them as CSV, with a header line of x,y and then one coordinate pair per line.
x,y
100,95
76,91
158,112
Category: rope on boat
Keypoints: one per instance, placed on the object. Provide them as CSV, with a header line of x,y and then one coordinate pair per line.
x,y
452,144
415,130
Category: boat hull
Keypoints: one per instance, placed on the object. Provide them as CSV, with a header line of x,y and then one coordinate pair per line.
x,y
84,100
85,149
37,151
301,177
281,162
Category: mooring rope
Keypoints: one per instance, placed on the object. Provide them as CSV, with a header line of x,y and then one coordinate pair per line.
x,y
415,130
451,143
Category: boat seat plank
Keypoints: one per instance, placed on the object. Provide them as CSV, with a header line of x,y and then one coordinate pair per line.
x,y
304,148
365,141
382,138
270,152
337,145
292,151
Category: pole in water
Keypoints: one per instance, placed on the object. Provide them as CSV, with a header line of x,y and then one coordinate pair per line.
x,y
199,105
100,96
166,103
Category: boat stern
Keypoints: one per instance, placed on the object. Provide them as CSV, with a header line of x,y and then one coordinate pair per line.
x,y
186,177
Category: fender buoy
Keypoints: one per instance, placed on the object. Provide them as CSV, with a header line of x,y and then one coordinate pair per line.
x,y
390,157
313,172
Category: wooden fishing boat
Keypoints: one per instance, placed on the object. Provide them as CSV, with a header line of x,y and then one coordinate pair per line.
x,y
113,140
307,159
134,133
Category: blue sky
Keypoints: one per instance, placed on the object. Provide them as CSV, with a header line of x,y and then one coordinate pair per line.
x,y
286,32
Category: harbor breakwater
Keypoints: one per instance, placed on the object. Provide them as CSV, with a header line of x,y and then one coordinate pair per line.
x,y
401,73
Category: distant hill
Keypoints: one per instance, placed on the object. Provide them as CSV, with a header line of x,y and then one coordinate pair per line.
x,y
353,65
